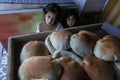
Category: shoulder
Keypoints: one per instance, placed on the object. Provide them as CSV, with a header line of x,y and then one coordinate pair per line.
x,y
37,30
59,26
41,27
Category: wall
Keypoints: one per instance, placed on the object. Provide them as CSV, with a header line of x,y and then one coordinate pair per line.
x,y
111,13
80,4
19,23
91,5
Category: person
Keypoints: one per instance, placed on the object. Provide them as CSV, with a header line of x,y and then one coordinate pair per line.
x,y
71,18
52,15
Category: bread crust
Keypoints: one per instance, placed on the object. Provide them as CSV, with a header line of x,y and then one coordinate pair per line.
x,y
60,39
33,48
72,70
39,67
97,69
83,43
108,48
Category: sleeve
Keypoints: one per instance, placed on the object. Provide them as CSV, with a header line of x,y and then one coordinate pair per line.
x,y
59,26
38,29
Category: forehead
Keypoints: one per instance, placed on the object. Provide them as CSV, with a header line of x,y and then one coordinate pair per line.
x,y
71,17
50,13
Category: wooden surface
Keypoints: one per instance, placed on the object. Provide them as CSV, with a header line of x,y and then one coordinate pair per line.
x,y
16,43
111,13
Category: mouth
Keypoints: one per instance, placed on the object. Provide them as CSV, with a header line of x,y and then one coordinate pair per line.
x,y
48,23
70,25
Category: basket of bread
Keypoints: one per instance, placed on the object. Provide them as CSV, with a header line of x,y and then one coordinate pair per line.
x,y
79,53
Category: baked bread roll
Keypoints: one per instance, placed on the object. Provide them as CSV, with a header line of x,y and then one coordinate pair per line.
x,y
58,40
98,69
33,48
58,54
49,45
108,48
39,68
72,70
83,43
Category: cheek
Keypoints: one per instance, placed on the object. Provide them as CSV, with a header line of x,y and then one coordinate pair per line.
x,y
46,20
73,22
68,22
52,21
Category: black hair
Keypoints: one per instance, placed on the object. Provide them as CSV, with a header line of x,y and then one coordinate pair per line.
x,y
54,8
68,13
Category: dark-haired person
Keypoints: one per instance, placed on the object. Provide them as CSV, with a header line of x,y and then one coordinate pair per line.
x,y
71,18
52,15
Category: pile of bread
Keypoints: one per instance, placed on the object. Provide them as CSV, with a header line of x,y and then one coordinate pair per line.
x,y
68,56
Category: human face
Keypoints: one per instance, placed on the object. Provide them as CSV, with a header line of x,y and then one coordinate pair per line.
x,y
50,18
71,21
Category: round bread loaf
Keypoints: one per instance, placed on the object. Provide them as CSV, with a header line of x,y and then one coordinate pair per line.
x,y
72,70
58,40
108,48
83,43
33,48
91,34
39,68
58,54
49,45
98,69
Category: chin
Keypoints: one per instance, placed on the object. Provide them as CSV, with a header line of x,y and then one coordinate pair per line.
x,y
49,24
70,26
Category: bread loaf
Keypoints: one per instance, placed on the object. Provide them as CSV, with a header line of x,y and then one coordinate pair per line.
x,y
39,68
97,69
83,43
58,54
108,48
72,70
33,48
58,40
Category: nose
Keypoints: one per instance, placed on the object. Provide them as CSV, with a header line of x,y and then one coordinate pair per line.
x,y
50,21
71,22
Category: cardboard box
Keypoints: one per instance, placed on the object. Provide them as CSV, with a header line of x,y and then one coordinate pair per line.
x,y
16,43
